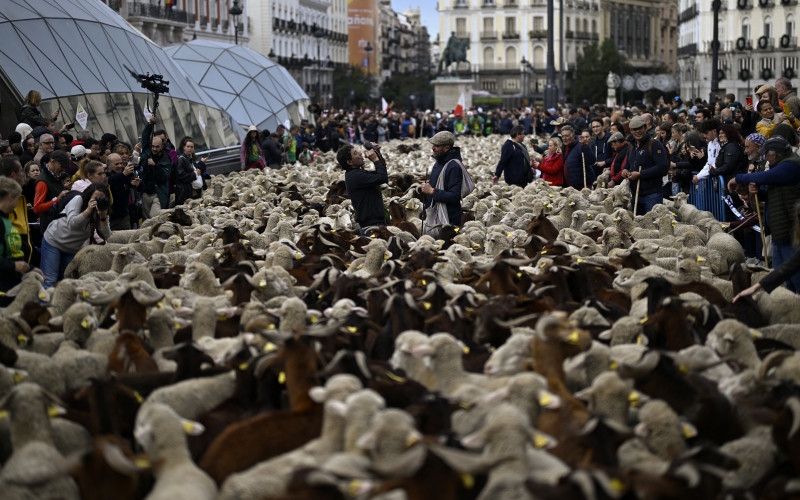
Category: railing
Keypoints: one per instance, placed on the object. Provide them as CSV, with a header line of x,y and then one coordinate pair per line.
x,y
488,3
461,4
500,66
511,35
708,195
688,14
537,34
687,50
462,34
137,9
488,35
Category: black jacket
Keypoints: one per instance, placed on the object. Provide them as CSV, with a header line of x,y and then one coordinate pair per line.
x,y
730,161
653,159
364,190
451,194
184,176
514,163
272,151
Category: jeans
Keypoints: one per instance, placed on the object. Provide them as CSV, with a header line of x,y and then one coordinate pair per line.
x,y
781,252
53,264
646,202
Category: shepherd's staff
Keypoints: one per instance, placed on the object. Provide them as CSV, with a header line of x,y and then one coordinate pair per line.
x,y
761,225
638,188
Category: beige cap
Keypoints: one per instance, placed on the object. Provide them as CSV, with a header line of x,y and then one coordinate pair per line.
x,y
637,122
443,138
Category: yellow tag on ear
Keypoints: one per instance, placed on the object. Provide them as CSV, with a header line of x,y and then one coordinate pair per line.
x,y
243,366
54,411
545,399
142,463
394,377
683,368
3,414
373,235
700,259
18,377
456,229
223,317
298,256
643,320
426,305
613,365
187,427
519,275
411,440
755,333
467,481
85,293
271,326
314,318
544,252
424,282
138,397
633,398
42,295
466,350
282,378
573,338
354,488
639,340
85,323
352,329
262,283
22,338
269,347
616,485
540,441
688,431
580,260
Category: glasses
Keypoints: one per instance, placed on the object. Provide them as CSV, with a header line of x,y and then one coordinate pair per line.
x,y
47,142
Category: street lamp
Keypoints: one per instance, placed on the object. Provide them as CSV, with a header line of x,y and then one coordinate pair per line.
x,y
235,11
621,50
523,67
318,34
368,49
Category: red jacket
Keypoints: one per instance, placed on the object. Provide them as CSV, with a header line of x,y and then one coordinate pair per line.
x,y
552,168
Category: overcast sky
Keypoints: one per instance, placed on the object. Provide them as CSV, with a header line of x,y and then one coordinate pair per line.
x,y
430,18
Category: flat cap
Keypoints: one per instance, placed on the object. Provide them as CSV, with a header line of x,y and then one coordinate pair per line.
x,y
777,144
616,136
443,138
637,122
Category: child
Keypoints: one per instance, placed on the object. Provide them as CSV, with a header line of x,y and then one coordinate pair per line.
x,y
305,157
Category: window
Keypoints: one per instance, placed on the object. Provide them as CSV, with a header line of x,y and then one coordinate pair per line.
x,y
488,55
461,26
488,24
511,84
511,25
746,28
538,23
489,85
767,26
511,57
790,25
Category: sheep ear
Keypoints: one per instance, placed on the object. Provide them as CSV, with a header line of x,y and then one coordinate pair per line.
x,y
118,461
496,396
57,322
641,430
542,440
549,400
367,441
191,427
475,440
584,394
318,394
689,473
336,407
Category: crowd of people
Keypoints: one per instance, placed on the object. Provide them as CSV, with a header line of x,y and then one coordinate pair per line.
x,y
75,189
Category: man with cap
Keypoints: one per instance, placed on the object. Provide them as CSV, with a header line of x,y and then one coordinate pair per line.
x,y
448,190
49,188
647,164
558,123
515,161
364,186
617,163
782,182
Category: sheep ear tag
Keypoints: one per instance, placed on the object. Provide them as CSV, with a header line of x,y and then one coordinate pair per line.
x,y
192,428
55,410
689,431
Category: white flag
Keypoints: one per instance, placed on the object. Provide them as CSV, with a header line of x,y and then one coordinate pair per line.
x,y
462,103
384,105
81,116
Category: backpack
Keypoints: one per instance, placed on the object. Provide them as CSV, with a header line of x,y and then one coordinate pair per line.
x,y
58,208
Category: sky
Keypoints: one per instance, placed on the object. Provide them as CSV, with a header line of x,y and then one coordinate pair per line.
x,y
430,18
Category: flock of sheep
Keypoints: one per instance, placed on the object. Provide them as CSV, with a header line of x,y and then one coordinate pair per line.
x,y
252,345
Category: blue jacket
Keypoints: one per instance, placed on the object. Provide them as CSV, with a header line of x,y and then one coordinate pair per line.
x,y
651,156
451,194
505,126
574,165
514,163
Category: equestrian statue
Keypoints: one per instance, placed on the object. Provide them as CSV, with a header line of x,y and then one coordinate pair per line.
x,y
454,52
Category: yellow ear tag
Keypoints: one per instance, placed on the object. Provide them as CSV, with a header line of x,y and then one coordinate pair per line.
x,y
424,282
700,259
589,216
456,229
688,432
138,397
319,295
54,411
85,323
467,481
314,318
616,485
298,256
643,320
544,252
613,365
545,399
282,378
142,463
573,338
3,414
223,317
386,256
519,275
426,305
352,329
755,333
580,260
411,440
633,398
18,377
187,427
354,488
540,441
22,338
42,295
218,255
269,347
396,378
262,283
639,340
466,350
177,326
373,235
85,293
271,326
243,366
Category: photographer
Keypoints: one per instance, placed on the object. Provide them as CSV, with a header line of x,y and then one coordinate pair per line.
x,y
363,187
83,216
156,165
189,169
121,177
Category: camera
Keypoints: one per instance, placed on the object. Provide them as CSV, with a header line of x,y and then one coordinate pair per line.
x,y
154,83
369,146
102,203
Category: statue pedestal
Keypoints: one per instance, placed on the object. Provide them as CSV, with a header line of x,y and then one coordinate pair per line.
x,y
611,98
447,91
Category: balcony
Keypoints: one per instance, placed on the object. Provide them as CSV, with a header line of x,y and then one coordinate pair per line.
x,y
570,34
511,35
488,3
462,34
688,14
687,50
510,3
488,35
747,6
510,66
461,4
537,34
137,9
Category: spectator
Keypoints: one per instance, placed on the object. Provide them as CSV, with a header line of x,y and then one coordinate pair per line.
x,y
783,87
602,151
85,216
5,149
156,167
448,191
782,181
251,155
272,151
169,148
50,188
731,159
32,172
709,132
77,154
27,151
770,119
11,168
505,124
93,171
122,180
93,150
552,165
752,150
12,259
515,161
24,130
47,144
578,159
647,164
190,168
290,144
363,187
306,157
30,113
618,163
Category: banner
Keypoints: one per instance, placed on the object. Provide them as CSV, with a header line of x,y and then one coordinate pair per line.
x,y
81,116
362,23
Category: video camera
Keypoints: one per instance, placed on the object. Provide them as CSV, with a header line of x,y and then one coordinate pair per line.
x,y
154,83
369,146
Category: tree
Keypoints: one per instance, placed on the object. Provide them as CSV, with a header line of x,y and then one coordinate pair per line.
x,y
352,87
592,69
399,87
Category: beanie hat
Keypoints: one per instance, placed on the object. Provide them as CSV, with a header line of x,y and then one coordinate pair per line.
x,y
757,139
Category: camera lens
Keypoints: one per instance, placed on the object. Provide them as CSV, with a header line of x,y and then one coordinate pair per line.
x,y
102,203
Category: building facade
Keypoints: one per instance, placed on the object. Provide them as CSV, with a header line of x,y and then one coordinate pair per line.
x,y
646,31
508,43
403,42
308,37
185,20
758,44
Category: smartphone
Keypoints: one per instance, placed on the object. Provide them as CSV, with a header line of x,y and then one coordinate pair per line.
x,y
749,101
70,125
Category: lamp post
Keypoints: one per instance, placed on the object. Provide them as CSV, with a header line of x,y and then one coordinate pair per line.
x,y
550,88
318,34
621,66
235,11
524,78
368,49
